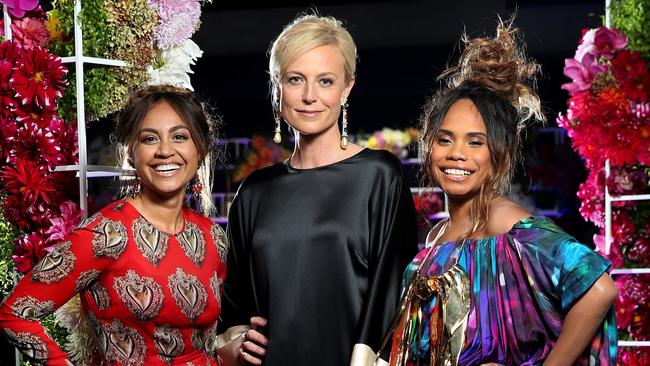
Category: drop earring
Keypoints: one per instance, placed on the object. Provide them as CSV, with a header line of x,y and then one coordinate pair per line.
x,y
344,125
277,137
197,187
136,186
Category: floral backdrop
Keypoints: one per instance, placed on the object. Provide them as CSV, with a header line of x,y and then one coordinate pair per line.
x,y
38,114
608,117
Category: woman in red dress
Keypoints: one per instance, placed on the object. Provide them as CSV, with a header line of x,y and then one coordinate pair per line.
x,y
148,269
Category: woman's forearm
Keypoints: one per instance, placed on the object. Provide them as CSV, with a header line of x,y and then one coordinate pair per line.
x,y
582,322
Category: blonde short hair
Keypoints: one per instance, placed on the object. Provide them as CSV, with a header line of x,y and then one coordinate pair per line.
x,y
305,33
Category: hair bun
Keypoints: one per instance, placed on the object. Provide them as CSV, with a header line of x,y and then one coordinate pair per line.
x,y
500,65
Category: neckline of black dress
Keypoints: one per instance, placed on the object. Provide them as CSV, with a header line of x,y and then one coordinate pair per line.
x,y
287,163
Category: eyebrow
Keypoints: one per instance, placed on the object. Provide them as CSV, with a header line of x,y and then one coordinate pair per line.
x,y
471,134
327,73
173,129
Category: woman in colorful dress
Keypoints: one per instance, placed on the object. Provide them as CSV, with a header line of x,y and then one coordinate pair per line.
x,y
318,242
148,270
495,284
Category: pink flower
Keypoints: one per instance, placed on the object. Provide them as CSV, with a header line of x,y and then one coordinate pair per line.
x,y
63,225
17,8
29,33
582,73
178,20
607,42
586,45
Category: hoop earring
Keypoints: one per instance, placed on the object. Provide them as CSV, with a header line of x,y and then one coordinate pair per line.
x,y
136,187
277,137
344,125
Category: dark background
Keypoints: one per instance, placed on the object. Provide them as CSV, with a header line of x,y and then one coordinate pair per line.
x,y
402,47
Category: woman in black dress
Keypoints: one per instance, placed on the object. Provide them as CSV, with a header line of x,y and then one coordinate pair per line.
x,y
318,242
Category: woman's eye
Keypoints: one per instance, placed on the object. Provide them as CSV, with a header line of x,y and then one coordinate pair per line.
x,y
180,138
149,139
444,141
294,79
326,82
476,143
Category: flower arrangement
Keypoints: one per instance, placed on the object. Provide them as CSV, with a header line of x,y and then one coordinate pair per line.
x,y
151,36
609,118
395,141
428,204
262,153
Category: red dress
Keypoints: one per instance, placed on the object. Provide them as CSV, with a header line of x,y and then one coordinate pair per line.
x,y
150,297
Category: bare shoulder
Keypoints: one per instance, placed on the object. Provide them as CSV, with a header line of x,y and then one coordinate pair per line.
x,y
504,214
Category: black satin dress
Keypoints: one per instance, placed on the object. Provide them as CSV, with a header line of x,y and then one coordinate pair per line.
x,y
320,253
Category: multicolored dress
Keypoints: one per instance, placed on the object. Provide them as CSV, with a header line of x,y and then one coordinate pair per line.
x,y
501,299
150,298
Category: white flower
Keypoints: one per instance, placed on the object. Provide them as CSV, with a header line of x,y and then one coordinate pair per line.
x,y
175,65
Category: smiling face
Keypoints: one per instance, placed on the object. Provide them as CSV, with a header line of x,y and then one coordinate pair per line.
x,y
313,89
165,156
460,157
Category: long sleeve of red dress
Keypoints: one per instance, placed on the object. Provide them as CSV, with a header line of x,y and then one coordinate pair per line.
x,y
149,297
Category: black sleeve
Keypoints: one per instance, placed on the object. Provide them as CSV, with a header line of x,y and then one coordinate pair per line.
x,y
237,305
393,245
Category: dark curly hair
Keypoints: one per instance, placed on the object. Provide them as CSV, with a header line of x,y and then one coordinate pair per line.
x,y
496,76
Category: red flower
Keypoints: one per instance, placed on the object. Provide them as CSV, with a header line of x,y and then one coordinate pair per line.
x,y
29,114
631,70
28,181
627,181
639,252
37,145
626,304
9,54
30,33
39,78
29,250
623,229
66,134
7,134
14,209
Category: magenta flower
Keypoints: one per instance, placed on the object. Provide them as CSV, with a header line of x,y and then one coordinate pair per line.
x,y
63,225
582,73
607,42
17,8
29,250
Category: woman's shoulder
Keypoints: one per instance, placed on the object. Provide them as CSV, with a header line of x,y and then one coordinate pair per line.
x,y
504,215
377,165
262,176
